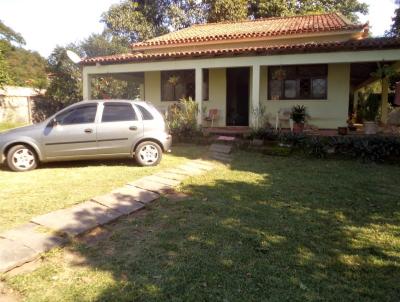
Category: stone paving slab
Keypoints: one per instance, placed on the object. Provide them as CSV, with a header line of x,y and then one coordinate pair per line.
x,y
171,175
203,162
151,186
13,254
29,236
124,204
179,171
77,219
221,148
142,195
162,180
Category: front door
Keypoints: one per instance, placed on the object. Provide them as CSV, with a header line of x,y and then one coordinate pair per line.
x,y
117,129
237,96
73,134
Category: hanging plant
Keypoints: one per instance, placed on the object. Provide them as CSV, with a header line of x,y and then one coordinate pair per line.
x,y
279,74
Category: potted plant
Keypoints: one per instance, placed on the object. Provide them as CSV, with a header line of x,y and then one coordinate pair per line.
x,y
298,115
370,113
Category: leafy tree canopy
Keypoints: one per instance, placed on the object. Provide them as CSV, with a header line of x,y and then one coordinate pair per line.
x,y
19,66
138,20
395,28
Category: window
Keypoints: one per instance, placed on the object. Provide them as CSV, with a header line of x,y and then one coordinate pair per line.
x,y
85,114
177,84
118,112
300,82
146,115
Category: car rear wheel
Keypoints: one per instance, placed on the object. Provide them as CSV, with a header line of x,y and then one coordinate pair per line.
x,y
21,158
148,154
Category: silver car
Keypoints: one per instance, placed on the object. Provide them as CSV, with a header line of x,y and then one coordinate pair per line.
x,y
87,130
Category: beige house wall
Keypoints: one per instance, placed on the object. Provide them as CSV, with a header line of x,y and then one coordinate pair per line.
x,y
325,114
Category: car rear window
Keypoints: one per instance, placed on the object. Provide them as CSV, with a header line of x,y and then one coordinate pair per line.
x,y
146,115
118,112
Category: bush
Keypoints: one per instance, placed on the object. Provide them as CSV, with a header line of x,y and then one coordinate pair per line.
x,y
182,118
367,149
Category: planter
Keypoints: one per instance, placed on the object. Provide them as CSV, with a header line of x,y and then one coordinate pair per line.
x,y
342,130
298,127
370,127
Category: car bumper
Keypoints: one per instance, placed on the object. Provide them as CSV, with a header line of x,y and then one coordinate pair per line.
x,y
167,142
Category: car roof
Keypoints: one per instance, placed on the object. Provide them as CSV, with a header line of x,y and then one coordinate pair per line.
x,y
113,100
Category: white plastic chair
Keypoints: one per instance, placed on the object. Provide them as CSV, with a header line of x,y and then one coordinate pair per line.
x,y
283,114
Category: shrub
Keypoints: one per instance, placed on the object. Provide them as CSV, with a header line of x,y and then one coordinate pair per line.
x,y
371,107
182,118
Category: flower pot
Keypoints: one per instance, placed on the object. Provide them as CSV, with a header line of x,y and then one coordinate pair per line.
x,y
342,130
370,127
298,128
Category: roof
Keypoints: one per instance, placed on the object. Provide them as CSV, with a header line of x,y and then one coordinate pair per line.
x,y
255,29
312,47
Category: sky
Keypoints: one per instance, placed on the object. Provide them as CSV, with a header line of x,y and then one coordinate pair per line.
x,y
47,23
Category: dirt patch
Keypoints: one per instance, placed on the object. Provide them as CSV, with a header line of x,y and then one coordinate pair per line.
x,y
7,294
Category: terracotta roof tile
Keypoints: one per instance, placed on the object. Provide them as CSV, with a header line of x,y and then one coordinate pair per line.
x,y
254,28
352,45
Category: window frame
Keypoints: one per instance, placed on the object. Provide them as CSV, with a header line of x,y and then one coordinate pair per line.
x,y
298,78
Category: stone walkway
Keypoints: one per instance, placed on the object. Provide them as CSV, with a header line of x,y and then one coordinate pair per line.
x,y
25,243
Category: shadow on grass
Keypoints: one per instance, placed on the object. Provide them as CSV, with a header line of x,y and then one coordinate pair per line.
x,y
270,230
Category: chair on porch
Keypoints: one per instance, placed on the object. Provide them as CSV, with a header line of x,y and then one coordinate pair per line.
x,y
283,115
213,114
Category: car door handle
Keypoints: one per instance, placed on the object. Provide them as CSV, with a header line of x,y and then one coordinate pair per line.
x,y
88,130
133,128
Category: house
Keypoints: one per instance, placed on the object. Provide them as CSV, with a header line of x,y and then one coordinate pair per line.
x,y
319,61
16,103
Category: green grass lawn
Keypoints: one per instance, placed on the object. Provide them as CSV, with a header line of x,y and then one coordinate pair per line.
x,y
265,229
6,126
59,185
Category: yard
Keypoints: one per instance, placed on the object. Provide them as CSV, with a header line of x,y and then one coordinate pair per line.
x,y
267,228
60,185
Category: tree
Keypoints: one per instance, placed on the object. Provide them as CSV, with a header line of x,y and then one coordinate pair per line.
x,y
137,20
279,8
395,28
19,66
65,87
226,10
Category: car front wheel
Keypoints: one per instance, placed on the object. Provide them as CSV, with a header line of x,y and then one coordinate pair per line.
x,y
148,154
21,158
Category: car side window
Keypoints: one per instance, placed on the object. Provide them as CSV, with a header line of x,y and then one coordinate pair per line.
x,y
146,115
85,114
118,112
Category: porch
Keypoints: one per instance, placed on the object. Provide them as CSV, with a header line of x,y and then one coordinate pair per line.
x,y
237,87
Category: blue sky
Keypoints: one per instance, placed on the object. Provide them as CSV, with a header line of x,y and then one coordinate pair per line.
x,y
47,23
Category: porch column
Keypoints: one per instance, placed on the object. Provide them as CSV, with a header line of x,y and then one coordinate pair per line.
x,y
255,95
87,86
199,94
385,100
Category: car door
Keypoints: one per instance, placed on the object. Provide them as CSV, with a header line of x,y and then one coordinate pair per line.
x,y
118,128
72,133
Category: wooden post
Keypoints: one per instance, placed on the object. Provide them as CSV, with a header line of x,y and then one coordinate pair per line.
x,y
385,100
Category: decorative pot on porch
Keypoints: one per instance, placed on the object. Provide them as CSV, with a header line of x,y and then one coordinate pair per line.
x,y
370,127
298,127
298,115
